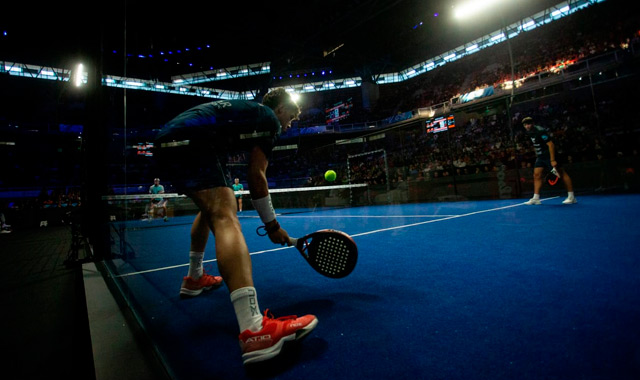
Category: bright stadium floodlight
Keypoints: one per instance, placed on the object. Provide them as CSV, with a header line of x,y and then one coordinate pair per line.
x,y
78,75
466,10
294,95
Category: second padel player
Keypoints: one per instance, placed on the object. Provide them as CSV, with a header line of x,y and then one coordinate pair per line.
x,y
545,159
193,148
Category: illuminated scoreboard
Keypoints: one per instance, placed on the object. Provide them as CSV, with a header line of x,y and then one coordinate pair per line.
x,y
338,111
144,149
440,124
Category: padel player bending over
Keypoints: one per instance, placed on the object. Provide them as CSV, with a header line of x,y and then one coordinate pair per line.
x,y
545,159
193,148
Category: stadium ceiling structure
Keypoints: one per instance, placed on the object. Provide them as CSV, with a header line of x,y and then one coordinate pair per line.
x,y
228,51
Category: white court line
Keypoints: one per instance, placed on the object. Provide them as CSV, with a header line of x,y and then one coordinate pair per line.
x,y
311,216
354,235
446,218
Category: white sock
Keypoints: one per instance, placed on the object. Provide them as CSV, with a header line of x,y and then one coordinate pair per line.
x,y
195,264
536,196
245,303
570,194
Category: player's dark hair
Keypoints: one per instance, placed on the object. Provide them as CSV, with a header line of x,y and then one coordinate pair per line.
x,y
279,96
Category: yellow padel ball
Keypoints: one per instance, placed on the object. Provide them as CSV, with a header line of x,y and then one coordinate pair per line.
x,y
330,175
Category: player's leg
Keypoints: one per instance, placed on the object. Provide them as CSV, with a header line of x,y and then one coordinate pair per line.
x,y
199,234
196,281
537,186
185,165
537,180
567,181
218,210
203,177
569,185
261,338
147,212
164,209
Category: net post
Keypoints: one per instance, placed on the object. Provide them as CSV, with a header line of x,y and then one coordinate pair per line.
x,y
349,181
386,170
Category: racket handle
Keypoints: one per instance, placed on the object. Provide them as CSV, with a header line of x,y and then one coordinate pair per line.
x,y
293,241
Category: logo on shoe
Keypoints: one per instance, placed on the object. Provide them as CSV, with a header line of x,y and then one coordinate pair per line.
x,y
296,324
259,338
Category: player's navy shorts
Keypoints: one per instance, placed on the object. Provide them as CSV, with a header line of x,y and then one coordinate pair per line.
x,y
191,165
544,162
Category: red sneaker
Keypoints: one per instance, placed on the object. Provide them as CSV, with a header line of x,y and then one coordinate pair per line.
x,y
267,343
192,288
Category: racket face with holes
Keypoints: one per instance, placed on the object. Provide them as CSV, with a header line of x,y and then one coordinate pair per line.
x,y
331,253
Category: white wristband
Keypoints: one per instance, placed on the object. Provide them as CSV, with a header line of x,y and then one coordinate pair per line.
x,y
264,208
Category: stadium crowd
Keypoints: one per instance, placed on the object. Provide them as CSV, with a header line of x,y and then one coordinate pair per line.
x,y
584,129
602,126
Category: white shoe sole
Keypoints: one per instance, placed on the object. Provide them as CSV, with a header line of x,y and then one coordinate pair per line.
x,y
185,293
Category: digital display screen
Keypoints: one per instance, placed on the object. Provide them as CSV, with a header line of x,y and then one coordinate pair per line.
x,y
144,149
338,111
440,124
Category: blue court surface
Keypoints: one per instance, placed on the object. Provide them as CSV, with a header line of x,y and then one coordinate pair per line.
x,y
461,290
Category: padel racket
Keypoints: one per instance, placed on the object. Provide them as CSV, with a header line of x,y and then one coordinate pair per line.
x,y
331,253
553,176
